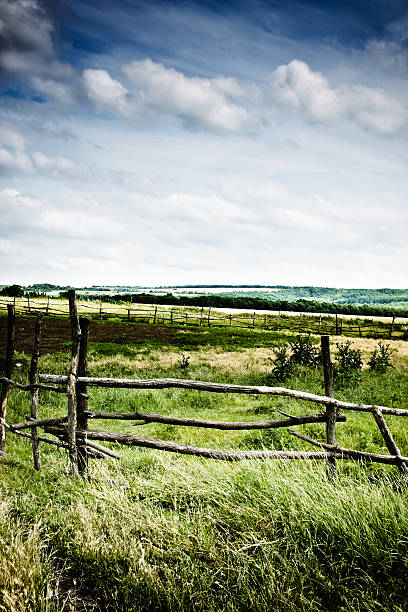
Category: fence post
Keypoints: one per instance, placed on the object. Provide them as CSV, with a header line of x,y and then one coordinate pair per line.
x,y
8,370
328,389
208,316
28,302
337,326
71,386
82,402
392,327
48,305
253,320
100,310
155,315
388,439
33,378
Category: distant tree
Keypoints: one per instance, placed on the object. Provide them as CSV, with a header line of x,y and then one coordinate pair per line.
x,y
12,291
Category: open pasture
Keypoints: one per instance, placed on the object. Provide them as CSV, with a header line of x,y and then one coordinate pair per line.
x,y
156,530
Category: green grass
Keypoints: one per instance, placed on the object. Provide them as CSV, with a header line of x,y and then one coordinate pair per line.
x,y
159,531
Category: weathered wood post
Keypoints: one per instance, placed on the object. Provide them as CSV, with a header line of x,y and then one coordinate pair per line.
x,y
82,401
328,389
48,305
388,439
8,370
253,320
337,325
392,327
155,315
208,316
71,386
33,378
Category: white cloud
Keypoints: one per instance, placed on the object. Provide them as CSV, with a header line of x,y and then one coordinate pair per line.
x,y
60,92
12,161
297,87
13,199
197,101
106,93
58,166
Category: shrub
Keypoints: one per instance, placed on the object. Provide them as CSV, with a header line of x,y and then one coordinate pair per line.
x,y
348,366
282,363
381,358
304,353
185,362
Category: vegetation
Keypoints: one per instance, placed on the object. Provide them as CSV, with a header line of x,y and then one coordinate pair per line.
x,y
12,291
159,531
251,303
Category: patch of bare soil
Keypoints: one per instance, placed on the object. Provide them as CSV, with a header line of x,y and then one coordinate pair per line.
x,y
57,332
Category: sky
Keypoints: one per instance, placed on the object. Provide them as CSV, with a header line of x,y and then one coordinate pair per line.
x,y
187,142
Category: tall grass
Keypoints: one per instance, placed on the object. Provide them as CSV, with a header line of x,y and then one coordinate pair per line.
x,y
158,531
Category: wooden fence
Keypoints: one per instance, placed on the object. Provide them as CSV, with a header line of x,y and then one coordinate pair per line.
x,y
303,323
71,431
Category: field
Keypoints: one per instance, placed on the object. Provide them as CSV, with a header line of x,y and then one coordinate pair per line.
x,y
159,531
157,314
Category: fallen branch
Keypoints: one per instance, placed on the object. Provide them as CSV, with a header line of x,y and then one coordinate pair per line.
x,y
348,453
167,383
224,425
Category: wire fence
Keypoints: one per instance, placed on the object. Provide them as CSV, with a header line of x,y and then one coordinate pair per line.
x,y
302,323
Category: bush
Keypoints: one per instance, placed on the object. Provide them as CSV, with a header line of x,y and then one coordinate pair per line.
x,y
348,366
304,353
282,363
381,358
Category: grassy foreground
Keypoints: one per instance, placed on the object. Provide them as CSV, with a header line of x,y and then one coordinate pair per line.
x,y
157,531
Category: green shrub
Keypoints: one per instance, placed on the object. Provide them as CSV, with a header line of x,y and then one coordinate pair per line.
x,y
282,363
304,353
348,366
381,358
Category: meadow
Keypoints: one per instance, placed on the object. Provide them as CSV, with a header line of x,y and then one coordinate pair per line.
x,y
160,531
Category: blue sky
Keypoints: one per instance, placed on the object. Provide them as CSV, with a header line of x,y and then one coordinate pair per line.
x,y
204,142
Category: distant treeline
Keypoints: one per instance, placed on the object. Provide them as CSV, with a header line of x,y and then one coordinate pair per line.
x,y
250,303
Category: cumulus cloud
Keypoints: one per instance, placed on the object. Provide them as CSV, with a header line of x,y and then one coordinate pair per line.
x,y
14,159
297,87
106,93
197,101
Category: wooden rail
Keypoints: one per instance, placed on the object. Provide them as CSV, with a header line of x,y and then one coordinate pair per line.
x,y
72,433
304,323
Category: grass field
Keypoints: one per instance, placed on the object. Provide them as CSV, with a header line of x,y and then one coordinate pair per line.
x,y
158,531
292,322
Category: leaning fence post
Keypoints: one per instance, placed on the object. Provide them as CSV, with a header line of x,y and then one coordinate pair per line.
x,y
34,391
71,386
328,389
8,370
388,439
82,401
